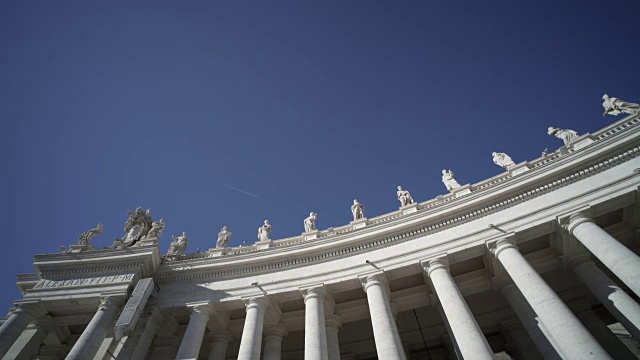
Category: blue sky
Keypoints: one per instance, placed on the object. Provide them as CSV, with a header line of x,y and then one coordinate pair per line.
x,y
113,105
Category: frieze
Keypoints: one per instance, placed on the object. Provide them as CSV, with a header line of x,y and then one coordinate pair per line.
x,y
96,280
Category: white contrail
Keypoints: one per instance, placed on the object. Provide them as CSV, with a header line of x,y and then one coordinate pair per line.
x,y
242,191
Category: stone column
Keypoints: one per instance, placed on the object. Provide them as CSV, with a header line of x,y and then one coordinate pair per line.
x,y
219,345
92,337
469,338
148,333
570,335
28,343
544,342
601,332
333,324
521,340
385,332
622,306
624,263
24,313
136,345
192,339
273,335
251,341
315,334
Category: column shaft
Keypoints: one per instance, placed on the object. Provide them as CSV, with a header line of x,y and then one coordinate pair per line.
x,y
522,342
385,332
573,339
539,335
16,323
614,255
192,339
469,338
27,344
333,324
89,342
605,337
251,342
219,346
273,335
622,306
315,334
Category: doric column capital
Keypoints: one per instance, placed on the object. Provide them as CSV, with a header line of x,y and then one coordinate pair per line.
x,y
200,308
569,223
276,330
570,261
222,337
497,246
256,302
111,302
314,291
376,279
440,262
333,321
31,308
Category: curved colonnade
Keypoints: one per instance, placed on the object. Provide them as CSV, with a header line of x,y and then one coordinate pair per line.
x,y
535,262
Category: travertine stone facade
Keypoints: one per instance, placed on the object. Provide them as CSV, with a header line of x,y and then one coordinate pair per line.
x,y
538,261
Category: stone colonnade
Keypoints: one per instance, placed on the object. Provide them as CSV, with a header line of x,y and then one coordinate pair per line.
x,y
553,330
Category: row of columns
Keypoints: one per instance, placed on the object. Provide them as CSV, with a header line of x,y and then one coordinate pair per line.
x,y
552,327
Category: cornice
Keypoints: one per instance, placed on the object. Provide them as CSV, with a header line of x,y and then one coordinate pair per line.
x,y
143,260
176,270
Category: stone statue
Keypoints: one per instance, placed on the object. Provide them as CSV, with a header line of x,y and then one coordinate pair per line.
x,y
404,196
157,228
137,226
565,135
178,245
449,181
357,210
224,236
86,237
310,222
264,231
502,160
615,106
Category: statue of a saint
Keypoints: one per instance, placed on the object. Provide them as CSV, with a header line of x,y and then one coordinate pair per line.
x,y
264,231
178,245
615,106
137,226
224,236
502,160
86,237
310,222
157,228
449,181
565,135
404,196
357,210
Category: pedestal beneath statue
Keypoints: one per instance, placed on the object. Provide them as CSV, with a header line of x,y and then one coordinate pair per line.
x,y
265,244
409,209
519,168
310,235
215,252
360,223
462,190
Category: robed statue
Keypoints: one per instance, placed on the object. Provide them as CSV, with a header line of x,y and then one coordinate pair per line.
x,y
565,135
86,237
224,236
357,210
449,181
615,106
264,231
404,197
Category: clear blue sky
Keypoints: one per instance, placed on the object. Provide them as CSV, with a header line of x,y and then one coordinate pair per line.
x,y
106,106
